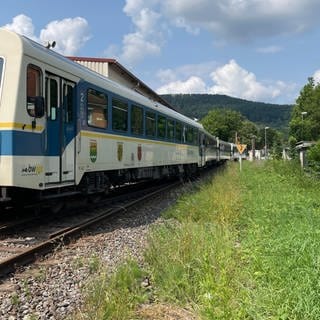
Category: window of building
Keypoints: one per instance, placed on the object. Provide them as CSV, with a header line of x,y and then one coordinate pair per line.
x,y
34,77
162,122
136,120
150,124
119,115
170,129
97,109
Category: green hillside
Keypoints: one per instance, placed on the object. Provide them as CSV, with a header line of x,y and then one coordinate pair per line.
x,y
198,105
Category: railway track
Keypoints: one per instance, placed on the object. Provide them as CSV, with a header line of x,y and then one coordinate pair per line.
x,y
24,246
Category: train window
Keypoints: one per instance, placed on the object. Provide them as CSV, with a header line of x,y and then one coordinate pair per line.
x,y
97,109
184,134
189,134
52,98
170,130
34,77
68,102
150,124
162,121
178,132
119,115
136,120
195,136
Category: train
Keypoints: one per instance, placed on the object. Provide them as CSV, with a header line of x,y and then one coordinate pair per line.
x,y
66,130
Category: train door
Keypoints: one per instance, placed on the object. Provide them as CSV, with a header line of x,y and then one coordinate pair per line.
x,y
60,130
68,128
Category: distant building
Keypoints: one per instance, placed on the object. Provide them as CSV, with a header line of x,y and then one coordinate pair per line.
x,y
112,69
302,147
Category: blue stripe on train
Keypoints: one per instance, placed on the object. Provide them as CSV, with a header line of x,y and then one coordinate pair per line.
x,y
19,143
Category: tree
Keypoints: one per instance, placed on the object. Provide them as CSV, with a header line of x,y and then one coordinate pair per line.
x,y
305,118
226,123
223,123
247,132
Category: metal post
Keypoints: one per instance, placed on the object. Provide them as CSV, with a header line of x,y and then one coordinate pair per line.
x,y
303,113
265,142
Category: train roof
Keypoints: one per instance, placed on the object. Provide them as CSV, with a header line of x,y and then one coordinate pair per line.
x,y
18,44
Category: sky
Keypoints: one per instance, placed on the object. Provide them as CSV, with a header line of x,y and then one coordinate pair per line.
x,y
258,50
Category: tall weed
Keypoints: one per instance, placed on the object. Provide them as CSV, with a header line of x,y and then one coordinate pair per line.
x,y
244,245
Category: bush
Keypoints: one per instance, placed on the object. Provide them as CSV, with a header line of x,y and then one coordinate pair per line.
x,y
314,153
313,157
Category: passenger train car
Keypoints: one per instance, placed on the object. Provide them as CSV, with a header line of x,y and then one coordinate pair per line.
x,y
67,130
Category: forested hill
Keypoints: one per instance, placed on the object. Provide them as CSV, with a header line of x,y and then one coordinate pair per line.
x,y
198,105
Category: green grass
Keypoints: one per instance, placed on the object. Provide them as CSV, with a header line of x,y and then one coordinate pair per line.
x,y
194,262
280,242
243,245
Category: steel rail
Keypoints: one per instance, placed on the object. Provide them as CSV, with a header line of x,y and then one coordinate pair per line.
x,y
64,236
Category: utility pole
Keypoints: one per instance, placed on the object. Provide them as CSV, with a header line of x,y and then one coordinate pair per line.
x,y
303,113
265,142
253,144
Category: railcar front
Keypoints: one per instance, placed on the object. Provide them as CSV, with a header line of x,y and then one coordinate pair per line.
x,y
20,159
37,120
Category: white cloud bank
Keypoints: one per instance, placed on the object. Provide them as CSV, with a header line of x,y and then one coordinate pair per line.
x,y
239,21
70,34
229,79
227,20
243,20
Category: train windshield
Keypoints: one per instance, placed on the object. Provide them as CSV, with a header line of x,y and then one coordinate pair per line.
x,y
1,67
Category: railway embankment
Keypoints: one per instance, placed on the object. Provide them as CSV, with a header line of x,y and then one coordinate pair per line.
x,y
239,245
242,245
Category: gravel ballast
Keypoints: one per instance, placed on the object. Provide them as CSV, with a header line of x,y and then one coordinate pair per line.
x,y
53,287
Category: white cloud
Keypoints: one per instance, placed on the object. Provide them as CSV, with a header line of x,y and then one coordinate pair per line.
x,y
229,79
243,20
316,76
147,38
191,85
22,24
70,34
135,47
186,71
167,75
227,20
233,80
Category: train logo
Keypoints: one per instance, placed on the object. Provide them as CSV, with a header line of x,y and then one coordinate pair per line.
x,y
139,152
31,170
93,150
120,151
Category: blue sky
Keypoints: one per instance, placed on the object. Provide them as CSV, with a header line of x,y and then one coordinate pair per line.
x,y
261,50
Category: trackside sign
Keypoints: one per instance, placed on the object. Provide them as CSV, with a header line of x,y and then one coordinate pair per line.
x,y
241,147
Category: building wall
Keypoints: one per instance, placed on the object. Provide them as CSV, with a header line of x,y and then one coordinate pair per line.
x,y
114,74
99,67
